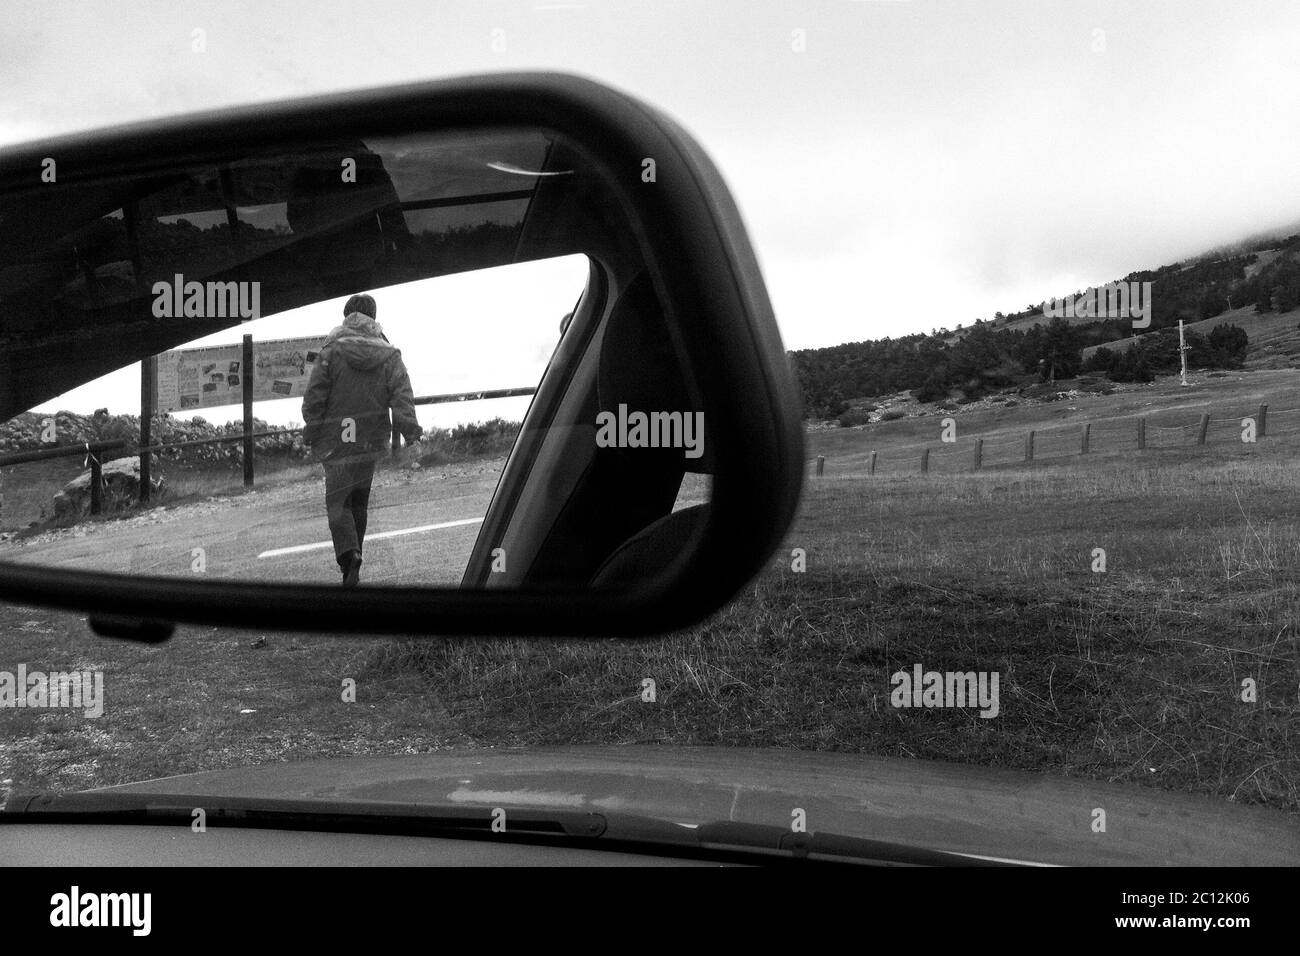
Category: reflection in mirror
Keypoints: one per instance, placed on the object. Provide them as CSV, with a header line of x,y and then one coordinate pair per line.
x,y
444,352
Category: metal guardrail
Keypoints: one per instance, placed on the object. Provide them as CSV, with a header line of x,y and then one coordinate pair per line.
x,y
62,451
473,396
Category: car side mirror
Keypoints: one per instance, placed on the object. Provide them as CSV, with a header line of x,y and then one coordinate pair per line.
x,y
658,460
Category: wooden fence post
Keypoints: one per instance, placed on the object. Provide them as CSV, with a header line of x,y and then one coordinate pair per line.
x,y
1029,446
1205,426
979,453
1087,436
821,464
97,483
925,460
872,468
1142,433
1261,422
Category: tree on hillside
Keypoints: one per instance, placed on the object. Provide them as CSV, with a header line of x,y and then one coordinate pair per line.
x,y
1282,299
1274,288
1213,302
1102,360
1053,349
1227,345
1131,366
1157,354
1160,349
932,389
982,361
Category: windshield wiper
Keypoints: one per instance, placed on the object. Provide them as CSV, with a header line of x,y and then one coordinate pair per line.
x,y
727,841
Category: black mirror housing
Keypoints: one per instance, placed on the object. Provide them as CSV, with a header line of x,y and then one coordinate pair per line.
x,y
703,269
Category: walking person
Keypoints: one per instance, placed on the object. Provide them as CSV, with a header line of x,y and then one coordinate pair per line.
x,y
358,377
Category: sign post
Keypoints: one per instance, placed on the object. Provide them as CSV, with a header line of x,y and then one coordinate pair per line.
x,y
247,383
148,408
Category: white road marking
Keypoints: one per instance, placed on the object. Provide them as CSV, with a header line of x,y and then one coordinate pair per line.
x,y
297,548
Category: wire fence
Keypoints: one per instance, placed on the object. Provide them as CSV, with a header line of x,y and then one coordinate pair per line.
x,y
1160,430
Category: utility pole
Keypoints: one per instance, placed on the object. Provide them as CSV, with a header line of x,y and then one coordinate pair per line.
x,y
1182,351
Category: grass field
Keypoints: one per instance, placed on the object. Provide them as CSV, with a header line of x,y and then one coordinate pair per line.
x,y
1129,675
1172,412
1134,674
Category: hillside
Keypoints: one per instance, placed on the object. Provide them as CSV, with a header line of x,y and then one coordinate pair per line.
x,y
1171,410
1251,256
1253,289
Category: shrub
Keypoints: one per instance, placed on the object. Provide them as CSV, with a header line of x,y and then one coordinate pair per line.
x,y
854,416
931,390
470,440
1229,339
1102,360
1131,366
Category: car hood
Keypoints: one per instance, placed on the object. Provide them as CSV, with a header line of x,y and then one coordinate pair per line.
x,y
941,806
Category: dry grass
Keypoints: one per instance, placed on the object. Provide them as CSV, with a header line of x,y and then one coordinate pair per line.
x,y
181,707
1134,674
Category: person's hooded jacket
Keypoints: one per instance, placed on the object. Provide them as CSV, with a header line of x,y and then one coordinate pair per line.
x,y
357,378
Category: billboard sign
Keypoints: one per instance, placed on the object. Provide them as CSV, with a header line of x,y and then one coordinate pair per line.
x,y
213,376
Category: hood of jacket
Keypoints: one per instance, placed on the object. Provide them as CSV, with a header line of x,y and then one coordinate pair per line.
x,y
360,341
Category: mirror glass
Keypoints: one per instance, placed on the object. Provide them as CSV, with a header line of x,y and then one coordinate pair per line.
x,y
444,351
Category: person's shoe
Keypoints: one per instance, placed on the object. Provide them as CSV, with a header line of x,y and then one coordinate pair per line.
x,y
352,572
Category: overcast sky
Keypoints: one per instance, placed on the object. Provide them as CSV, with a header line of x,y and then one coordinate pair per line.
x,y
901,164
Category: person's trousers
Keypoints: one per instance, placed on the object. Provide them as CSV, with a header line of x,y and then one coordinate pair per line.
x,y
347,496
